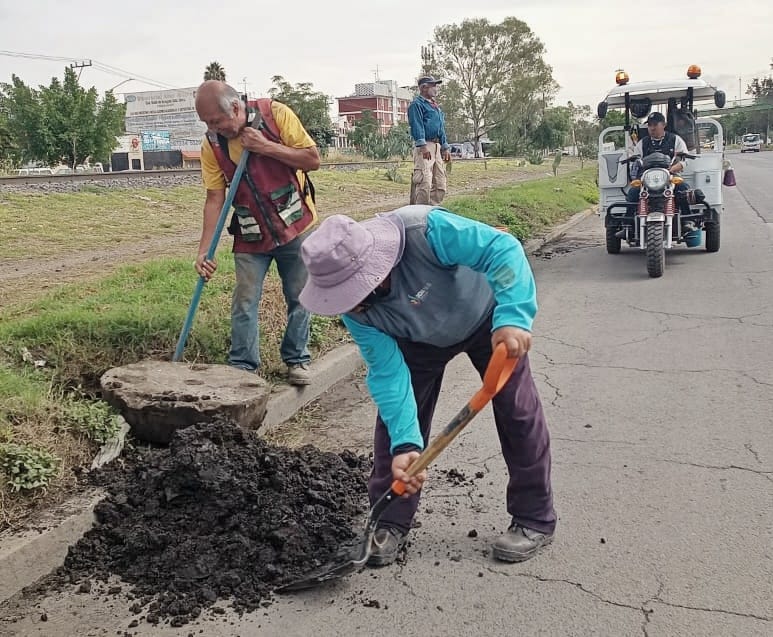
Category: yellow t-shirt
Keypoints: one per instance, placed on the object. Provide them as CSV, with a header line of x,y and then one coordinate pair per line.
x,y
291,132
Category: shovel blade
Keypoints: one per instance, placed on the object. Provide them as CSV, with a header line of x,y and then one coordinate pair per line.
x,y
346,564
348,561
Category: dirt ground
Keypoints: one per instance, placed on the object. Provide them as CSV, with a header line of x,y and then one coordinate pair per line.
x,y
48,273
218,516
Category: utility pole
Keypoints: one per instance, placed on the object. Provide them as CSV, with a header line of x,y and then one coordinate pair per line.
x,y
80,65
244,81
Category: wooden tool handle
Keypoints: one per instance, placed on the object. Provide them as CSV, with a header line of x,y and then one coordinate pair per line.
x,y
497,374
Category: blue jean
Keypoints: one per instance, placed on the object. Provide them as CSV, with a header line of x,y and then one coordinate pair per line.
x,y
251,271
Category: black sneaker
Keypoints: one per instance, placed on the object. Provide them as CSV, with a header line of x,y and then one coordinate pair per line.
x,y
386,545
298,374
519,544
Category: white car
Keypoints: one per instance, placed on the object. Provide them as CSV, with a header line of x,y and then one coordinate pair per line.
x,y
751,142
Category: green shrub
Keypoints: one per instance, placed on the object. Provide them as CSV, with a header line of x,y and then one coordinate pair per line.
x,y
393,174
27,467
534,157
94,419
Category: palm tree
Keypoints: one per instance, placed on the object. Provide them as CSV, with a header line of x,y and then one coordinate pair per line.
x,y
214,71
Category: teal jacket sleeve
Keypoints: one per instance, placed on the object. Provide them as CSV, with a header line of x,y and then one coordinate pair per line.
x,y
389,383
498,255
416,124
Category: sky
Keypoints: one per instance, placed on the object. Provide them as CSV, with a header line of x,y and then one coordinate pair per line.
x,y
336,45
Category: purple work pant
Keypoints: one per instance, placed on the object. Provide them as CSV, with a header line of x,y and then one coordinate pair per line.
x,y
520,421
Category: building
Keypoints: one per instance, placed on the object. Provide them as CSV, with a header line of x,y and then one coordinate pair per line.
x,y
388,102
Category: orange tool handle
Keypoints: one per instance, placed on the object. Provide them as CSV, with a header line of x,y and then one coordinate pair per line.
x,y
497,374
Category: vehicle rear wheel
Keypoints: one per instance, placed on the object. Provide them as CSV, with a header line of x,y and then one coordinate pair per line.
x,y
712,237
656,252
613,242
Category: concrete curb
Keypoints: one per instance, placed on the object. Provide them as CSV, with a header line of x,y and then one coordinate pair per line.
x,y
28,556
25,558
533,245
326,372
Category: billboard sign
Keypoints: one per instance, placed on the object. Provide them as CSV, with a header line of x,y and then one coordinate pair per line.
x,y
155,140
178,100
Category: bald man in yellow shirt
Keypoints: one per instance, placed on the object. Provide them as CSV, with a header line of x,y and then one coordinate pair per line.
x,y
273,210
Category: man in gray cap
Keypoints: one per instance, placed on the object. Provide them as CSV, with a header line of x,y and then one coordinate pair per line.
x,y
415,287
659,140
427,122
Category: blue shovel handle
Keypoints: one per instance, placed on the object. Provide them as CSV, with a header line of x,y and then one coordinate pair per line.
x,y
178,352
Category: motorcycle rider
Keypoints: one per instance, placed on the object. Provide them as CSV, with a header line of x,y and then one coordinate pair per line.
x,y
661,141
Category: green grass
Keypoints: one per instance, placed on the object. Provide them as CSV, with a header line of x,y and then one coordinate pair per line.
x,y
39,224
531,206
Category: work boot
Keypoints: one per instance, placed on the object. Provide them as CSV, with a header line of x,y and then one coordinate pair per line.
x,y
386,546
519,544
298,374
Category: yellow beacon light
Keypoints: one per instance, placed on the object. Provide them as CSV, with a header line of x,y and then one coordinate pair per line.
x,y
621,77
694,71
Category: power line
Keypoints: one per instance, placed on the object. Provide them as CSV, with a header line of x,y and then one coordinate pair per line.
x,y
100,66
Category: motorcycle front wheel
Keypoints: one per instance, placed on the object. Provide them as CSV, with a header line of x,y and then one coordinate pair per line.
x,y
656,252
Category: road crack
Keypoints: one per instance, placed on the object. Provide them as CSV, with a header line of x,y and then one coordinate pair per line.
x,y
657,598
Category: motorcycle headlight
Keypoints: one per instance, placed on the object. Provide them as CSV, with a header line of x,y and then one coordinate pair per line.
x,y
656,179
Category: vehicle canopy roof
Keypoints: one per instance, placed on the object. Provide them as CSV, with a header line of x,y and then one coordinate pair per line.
x,y
660,91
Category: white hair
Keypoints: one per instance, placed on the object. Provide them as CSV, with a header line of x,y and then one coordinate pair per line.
x,y
228,98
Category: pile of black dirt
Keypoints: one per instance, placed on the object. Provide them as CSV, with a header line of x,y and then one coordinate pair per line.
x,y
218,515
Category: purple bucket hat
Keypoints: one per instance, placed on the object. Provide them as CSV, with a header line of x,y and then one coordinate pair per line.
x,y
347,259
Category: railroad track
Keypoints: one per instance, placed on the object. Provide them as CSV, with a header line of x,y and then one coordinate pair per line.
x,y
142,175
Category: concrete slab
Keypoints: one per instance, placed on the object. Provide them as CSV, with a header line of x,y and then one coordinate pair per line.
x,y
158,397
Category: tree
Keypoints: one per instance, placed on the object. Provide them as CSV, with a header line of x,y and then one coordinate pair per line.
x,y
214,71
7,148
60,122
369,140
584,131
762,92
614,118
552,130
761,89
493,74
309,105
23,123
399,140
735,125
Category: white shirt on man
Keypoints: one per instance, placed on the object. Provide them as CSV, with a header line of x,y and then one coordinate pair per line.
x,y
679,147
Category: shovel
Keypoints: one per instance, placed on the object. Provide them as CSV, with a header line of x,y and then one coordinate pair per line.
x,y
178,352
349,561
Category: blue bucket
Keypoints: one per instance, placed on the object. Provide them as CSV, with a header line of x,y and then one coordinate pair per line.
x,y
693,239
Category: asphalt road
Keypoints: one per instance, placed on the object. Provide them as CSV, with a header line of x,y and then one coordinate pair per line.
x,y
659,394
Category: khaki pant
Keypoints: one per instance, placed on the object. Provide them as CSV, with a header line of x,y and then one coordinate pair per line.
x,y
428,184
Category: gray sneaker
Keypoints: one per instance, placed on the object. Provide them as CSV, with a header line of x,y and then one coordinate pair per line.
x,y
519,544
385,546
298,374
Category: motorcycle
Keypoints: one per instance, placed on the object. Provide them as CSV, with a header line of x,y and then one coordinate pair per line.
x,y
662,217
658,220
